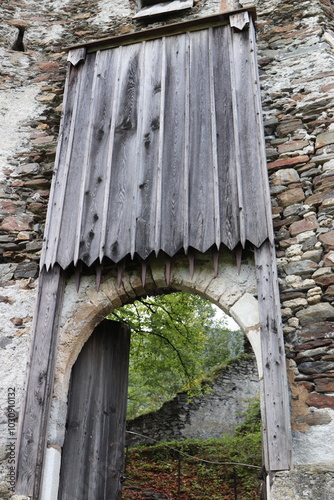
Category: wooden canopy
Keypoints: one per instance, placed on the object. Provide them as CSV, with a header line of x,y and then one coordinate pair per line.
x,y
160,146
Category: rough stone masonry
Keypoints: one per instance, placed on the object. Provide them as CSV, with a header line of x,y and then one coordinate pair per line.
x,y
295,55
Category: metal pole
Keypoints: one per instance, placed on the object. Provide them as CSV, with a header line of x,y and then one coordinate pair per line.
x,y
235,483
178,473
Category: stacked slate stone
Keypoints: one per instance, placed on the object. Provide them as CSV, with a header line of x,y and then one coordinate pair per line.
x,y
299,127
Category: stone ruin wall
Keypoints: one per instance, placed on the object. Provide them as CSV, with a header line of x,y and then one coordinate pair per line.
x,y
218,411
295,53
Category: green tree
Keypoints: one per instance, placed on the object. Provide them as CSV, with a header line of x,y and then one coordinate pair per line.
x,y
176,339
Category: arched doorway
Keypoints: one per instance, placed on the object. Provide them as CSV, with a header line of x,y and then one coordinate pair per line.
x,y
232,290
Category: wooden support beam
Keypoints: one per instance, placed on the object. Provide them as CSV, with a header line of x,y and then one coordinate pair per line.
x,y
276,418
34,413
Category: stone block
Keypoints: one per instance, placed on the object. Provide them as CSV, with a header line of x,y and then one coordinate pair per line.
x,y
314,313
324,139
50,479
287,162
328,240
325,280
315,367
324,384
317,330
246,312
291,196
304,268
320,400
285,176
307,224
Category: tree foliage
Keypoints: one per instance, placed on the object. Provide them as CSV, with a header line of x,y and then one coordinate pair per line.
x,y
176,339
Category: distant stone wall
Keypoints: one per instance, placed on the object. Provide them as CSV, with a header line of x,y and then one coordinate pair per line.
x,y
216,413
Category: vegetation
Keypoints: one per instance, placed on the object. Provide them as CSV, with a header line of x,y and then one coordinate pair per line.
x,y
176,340
155,468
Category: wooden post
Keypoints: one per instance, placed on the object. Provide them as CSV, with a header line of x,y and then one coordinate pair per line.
x,y
34,413
93,452
276,418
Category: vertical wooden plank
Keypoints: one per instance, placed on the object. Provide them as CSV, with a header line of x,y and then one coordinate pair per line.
x,y
214,141
76,174
254,206
92,198
201,203
92,458
186,146
171,225
262,160
147,155
117,58
276,420
34,412
86,167
236,134
226,154
61,169
158,203
118,233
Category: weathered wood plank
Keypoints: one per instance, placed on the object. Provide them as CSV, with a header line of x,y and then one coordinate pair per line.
x,y
253,205
89,233
147,153
262,159
35,409
228,188
237,139
215,168
76,174
200,195
62,163
117,55
172,195
118,233
276,420
92,458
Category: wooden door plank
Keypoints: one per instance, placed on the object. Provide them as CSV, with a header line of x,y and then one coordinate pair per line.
x,y
89,228
76,174
226,154
201,179
148,151
92,458
62,165
173,192
118,232
276,420
35,409
253,205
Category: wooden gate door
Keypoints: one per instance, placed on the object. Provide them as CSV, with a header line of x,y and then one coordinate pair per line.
x,y
93,452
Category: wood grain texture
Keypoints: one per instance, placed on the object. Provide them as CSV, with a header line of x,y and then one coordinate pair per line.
x,y
148,151
76,173
172,179
226,153
92,458
118,233
276,421
38,392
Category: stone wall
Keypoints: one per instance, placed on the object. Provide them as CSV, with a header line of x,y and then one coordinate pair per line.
x,y
295,53
219,411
